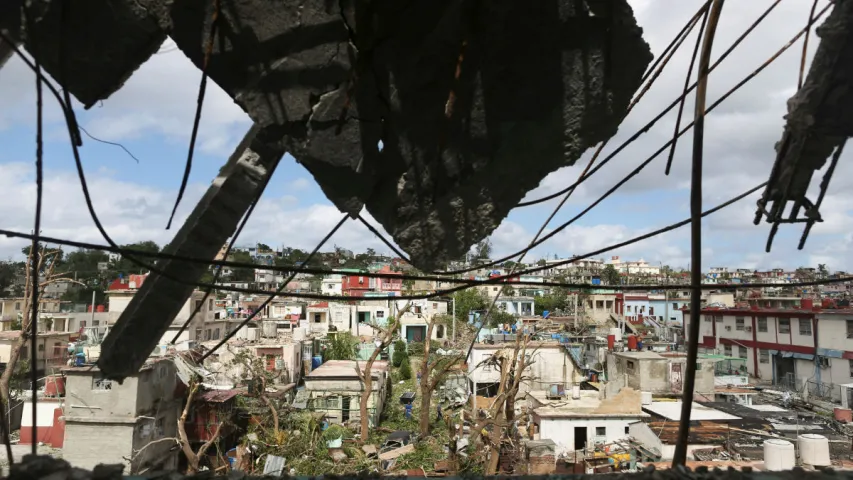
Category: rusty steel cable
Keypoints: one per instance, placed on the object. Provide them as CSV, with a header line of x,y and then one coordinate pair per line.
x,y
680,455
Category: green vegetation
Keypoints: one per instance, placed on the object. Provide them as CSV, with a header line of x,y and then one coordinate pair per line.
x,y
399,353
406,369
341,346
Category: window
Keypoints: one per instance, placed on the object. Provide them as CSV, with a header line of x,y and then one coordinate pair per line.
x,y
207,334
805,326
627,430
762,324
17,305
600,431
628,308
210,304
317,318
851,368
197,333
102,384
784,325
599,304
608,304
332,402
494,289
764,356
727,349
439,331
381,313
849,328
651,310
718,318
630,365
673,319
743,352
675,305
95,323
708,318
339,317
216,334
739,323
25,353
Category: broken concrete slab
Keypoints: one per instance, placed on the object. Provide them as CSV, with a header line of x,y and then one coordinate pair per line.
x,y
91,47
464,136
152,309
392,454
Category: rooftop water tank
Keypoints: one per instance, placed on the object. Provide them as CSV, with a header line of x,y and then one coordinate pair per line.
x,y
253,334
243,333
646,398
299,333
814,449
617,332
779,455
270,329
576,392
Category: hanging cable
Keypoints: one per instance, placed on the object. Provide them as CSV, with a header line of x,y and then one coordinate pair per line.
x,y
680,455
202,88
269,299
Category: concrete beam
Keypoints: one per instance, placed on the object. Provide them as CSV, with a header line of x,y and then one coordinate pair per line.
x,y
149,314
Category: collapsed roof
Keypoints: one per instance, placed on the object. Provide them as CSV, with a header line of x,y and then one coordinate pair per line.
x,y
436,116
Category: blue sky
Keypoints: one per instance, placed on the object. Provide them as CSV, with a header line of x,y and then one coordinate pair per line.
x,y
152,117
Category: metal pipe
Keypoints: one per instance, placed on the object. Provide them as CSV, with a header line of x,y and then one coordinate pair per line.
x,y
680,456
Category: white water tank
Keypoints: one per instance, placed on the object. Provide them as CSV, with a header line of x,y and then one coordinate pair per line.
x,y
300,333
270,329
617,332
779,455
243,333
576,392
646,398
814,449
253,334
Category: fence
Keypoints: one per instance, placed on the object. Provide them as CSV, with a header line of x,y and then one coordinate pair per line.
x,y
829,392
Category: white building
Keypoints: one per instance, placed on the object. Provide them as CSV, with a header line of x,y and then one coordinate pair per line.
x,y
331,285
640,267
580,423
550,363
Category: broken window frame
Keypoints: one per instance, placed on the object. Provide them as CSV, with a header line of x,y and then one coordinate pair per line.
x,y
805,327
762,324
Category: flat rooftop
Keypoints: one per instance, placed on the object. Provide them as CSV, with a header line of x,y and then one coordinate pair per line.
x,y
626,403
345,369
672,411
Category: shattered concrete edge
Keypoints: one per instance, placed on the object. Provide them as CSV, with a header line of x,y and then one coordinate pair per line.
x,y
153,308
48,468
336,78
96,44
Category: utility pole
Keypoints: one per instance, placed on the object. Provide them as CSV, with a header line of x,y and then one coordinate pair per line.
x,y
93,309
452,299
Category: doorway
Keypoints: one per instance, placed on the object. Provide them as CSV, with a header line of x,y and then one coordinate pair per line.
x,y
785,372
415,333
345,404
580,438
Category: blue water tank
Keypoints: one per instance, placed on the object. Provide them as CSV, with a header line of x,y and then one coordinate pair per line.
x,y
316,361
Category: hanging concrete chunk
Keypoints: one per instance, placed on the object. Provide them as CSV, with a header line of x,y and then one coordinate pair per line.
x,y
91,47
474,102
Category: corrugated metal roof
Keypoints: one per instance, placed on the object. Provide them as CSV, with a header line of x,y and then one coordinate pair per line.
x,y
218,396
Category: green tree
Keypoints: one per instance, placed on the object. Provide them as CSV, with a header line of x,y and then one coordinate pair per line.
x,y
406,369
483,250
126,267
610,275
242,274
399,353
500,317
341,346
468,300
8,273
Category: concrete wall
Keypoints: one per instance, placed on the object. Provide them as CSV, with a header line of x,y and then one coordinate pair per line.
x,y
333,390
550,364
562,430
93,444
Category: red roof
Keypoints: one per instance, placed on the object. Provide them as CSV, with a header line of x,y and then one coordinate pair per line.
x,y
218,396
319,305
125,283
